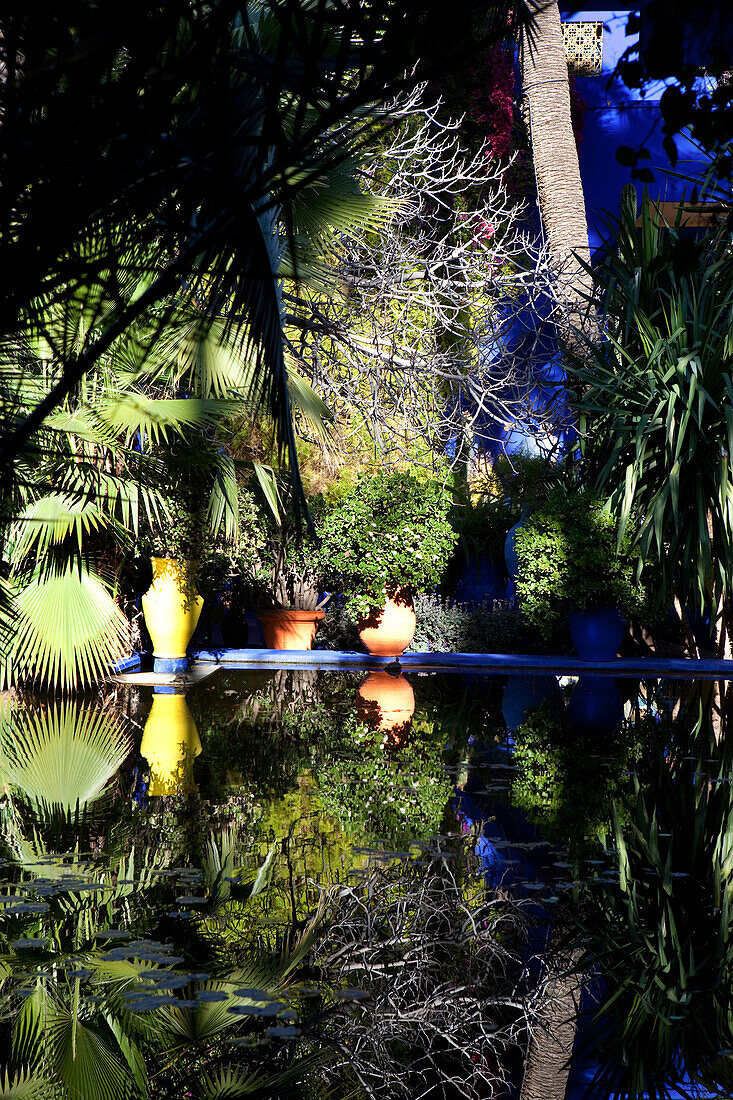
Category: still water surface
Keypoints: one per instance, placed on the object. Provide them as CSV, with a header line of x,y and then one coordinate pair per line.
x,y
312,884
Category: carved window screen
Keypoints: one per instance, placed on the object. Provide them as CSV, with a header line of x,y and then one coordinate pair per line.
x,y
583,47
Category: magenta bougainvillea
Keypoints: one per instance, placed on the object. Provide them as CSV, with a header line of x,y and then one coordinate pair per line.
x,y
494,119
491,105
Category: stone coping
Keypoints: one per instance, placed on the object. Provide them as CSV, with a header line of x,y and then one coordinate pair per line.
x,y
497,663
159,679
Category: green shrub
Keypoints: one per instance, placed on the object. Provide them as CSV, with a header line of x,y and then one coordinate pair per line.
x,y
445,627
569,559
390,532
378,795
565,783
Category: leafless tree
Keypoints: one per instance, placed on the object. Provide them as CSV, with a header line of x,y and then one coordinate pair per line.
x,y
426,997
433,345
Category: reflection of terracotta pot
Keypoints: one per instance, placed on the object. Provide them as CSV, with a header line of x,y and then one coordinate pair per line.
x,y
387,633
170,744
172,607
386,701
287,629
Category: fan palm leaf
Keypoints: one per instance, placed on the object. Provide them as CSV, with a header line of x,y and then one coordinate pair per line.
x,y
230,1082
25,1085
132,414
63,756
246,106
69,629
75,1054
122,498
51,520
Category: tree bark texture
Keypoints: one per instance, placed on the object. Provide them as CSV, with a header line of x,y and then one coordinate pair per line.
x,y
546,93
547,1066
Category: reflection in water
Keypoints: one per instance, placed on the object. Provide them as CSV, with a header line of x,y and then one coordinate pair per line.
x,y
310,905
437,971
170,744
60,756
657,919
387,702
596,705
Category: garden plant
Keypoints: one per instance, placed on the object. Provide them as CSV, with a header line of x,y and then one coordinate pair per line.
x,y
390,533
569,559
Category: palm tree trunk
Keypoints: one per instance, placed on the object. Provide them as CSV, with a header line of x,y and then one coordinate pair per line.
x,y
546,93
547,1066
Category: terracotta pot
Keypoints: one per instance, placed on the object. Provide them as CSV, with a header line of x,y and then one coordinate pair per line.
x,y
386,702
387,633
172,607
287,629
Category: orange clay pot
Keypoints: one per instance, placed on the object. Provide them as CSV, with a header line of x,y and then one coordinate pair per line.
x,y
287,629
387,702
387,633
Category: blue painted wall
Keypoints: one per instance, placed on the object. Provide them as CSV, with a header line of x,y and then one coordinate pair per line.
x,y
618,116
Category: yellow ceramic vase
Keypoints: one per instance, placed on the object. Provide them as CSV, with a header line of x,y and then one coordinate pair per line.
x,y
172,607
170,745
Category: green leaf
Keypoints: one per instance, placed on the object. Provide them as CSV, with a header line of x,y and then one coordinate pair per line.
x,y
69,629
63,756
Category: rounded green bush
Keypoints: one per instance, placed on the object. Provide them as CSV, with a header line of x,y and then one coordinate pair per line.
x,y
569,559
392,531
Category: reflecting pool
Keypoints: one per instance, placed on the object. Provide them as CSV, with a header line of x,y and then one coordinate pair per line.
x,y
332,884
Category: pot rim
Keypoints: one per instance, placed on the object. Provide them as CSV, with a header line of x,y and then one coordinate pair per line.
x,y
296,614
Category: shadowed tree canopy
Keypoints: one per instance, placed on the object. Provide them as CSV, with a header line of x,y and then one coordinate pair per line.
x,y
150,145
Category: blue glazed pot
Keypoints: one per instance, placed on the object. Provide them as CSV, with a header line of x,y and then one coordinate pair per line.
x,y
525,693
510,546
481,578
597,633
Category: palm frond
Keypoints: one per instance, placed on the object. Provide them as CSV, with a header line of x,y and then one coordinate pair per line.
x,y
50,521
131,1054
203,356
223,508
121,497
81,1058
230,1082
267,482
307,404
69,629
63,756
24,1085
132,414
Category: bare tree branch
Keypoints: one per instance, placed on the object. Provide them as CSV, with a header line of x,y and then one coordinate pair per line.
x,y
432,345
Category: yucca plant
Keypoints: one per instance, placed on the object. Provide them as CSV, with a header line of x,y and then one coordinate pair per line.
x,y
655,398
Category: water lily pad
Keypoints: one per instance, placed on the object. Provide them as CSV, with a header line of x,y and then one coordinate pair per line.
x,y
283,1032
255,1010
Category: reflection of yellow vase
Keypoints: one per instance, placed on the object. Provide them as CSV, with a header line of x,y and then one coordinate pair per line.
x,y
170,745
172,607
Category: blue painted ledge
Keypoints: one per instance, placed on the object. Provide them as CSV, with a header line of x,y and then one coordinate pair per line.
x,y
498,663
127,664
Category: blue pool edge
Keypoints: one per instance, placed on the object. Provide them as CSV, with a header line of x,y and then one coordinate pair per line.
x,y
684,667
